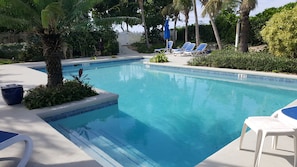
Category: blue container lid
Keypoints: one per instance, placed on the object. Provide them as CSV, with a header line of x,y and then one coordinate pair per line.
x,y
291,112
11,86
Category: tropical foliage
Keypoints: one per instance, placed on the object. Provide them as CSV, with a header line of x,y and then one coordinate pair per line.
x,y
49,19
159,58
43,96
246,61
184,6
259,21
226,24
212,8
280,33
117,11
71,90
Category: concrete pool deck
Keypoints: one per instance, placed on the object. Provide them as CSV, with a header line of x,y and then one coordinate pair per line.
x,y
52,149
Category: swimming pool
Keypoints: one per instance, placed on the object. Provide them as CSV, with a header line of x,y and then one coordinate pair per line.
x,y
166,118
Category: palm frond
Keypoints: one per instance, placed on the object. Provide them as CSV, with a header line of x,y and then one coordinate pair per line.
x,y
51,16
21,11
248,4
212,7
117,20
77,10
12,22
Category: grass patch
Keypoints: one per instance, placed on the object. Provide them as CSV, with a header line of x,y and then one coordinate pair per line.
x,y
6,61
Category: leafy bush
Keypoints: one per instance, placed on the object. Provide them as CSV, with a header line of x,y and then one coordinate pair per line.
x,y
159,58
34,50
6,61
142,48
154,36
258,21
83,42
11,50
246,61
226,24
71,90
280,33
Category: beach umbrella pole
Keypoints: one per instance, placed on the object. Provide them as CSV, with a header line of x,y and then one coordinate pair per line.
x,y
166,33
167,47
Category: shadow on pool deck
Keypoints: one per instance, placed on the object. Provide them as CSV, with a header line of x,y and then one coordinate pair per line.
x,y
52,149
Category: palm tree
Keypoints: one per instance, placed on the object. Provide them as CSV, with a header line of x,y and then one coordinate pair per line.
x,y
142,12
212,8
245,7
196,23
185,7
141,6
48,19
111,12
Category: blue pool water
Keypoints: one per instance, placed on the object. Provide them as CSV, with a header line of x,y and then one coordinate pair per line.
x,y
166,118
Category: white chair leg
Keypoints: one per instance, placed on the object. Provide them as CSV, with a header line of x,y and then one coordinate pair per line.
x,y
243,131
27,152
274,142
295,150
259,147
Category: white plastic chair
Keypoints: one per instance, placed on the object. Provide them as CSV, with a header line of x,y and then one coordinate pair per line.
x,y
279,124
7,139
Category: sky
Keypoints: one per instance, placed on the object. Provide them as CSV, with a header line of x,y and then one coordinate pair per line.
x,y
261,6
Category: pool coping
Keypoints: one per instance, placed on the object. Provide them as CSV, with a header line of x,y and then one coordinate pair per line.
x,y
226,70
80,159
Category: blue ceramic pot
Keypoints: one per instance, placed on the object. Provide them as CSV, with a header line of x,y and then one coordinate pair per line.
x,y
12,93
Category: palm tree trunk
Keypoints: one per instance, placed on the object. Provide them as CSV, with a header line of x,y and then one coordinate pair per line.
x,y
197,37
216,33
186,28
140,3
52,52
244,32
174,29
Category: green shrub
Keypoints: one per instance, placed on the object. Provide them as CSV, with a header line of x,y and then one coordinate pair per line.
x,y
83,42
142,48
280,33
258,21
6,61
34,50
159,58
71,90
246,61
43,96
11,50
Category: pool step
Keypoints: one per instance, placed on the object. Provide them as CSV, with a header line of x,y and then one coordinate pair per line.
x,y
97,154
105,150
124,153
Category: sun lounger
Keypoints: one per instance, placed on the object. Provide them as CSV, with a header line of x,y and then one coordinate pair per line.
x,y
182,48
200,49
7,139
189,48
